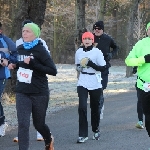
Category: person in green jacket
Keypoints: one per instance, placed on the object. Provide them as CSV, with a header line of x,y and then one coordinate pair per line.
x,y
140,56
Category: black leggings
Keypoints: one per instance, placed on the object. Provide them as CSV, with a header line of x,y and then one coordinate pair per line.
x,y
82,110
145,98
37,105
139,106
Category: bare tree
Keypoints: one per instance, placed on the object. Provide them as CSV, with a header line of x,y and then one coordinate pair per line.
x,y
102,10
80,21
28,9
130,32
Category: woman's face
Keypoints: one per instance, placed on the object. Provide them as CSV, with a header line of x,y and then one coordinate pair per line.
x,y
28,35
87,42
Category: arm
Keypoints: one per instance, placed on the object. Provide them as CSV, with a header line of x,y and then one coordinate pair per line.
x,y
114,46
13,57
113,52
100,64
96,67
12,49
48,67
78,67
43,63
133,59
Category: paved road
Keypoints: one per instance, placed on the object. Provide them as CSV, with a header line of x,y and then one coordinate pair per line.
x,y
118,130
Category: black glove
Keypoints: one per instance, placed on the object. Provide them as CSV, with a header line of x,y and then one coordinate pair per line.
x,y
134,71
96,67
147,58
108,57
108,65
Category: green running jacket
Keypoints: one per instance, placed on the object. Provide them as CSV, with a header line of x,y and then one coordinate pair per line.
x,y
136,58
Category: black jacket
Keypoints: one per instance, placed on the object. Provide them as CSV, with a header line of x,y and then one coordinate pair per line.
x,y
41,64
105,43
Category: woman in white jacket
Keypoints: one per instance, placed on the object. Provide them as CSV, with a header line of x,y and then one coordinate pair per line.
x,y
90,63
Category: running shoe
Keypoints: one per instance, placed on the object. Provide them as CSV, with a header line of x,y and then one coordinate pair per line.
x,y
139,125
82,139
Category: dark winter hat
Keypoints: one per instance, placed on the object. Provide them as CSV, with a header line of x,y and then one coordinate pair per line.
x,y
99,24
26,21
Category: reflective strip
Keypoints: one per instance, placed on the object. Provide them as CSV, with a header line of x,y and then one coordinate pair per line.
x,y
4,43
5,50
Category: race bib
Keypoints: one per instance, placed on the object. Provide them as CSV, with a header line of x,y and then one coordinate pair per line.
x,y
98,76
24,75
146,87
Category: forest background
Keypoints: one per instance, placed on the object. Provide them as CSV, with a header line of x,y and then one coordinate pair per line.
x,y
62,22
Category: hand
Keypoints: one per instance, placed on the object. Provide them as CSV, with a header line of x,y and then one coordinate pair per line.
x,y
84,62
147,58
79,68
11,66
27,60
4,62
108,57
108,65
90,63
134,71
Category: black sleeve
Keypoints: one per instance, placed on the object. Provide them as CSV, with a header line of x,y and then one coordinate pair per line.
x,y
48,67
114,46
44,63
96,67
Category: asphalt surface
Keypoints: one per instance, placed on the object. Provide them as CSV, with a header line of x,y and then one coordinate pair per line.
x,y
118,130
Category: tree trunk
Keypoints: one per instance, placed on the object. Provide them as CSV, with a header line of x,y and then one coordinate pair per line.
x,y
27,9
80,21
102,9
132,14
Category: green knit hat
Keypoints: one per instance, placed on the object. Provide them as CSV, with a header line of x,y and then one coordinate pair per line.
x,y
34,27
148,25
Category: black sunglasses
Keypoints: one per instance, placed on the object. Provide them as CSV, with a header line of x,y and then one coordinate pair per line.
x,y
98,28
